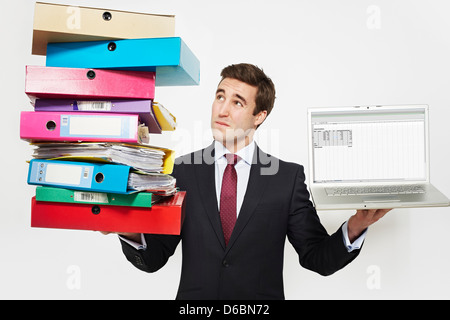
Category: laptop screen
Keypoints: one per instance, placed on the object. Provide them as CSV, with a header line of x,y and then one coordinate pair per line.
x,y
362,144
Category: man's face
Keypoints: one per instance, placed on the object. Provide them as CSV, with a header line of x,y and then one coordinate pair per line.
x,y
232,118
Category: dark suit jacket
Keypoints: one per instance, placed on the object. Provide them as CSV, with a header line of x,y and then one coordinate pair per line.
x,y
251,266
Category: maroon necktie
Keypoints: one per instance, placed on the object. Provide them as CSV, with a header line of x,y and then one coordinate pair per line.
x,y
228,197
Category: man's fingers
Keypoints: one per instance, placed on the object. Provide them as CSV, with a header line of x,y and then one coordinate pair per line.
x,y
377,214
382,212
372,215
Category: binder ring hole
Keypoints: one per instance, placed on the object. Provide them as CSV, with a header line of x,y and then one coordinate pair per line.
x,y
90,74
112,46
51,125
99,177
95,209
107,16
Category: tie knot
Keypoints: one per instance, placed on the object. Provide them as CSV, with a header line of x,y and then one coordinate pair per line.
x,y
232,158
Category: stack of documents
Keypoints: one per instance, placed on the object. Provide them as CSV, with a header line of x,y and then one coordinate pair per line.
x,y
140,157
94,114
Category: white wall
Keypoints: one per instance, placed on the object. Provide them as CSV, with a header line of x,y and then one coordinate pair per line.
x,y
319,53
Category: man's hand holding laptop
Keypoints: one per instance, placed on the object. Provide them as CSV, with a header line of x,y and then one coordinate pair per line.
x,y
362,220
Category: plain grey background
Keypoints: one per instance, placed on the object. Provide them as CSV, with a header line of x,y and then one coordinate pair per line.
x,y
318,53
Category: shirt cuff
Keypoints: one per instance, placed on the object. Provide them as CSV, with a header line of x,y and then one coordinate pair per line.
x,y
357,243
137,246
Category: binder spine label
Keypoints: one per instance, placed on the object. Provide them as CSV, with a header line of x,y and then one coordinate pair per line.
x,y
68,175
90,197
61,174
94,105
98,127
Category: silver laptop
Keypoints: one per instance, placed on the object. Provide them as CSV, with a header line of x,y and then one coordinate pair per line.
x,y
370,157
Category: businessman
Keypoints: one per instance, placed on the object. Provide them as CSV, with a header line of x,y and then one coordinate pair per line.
x,y
242,204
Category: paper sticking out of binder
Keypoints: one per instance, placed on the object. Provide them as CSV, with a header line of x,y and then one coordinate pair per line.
x,y
140,157
165,119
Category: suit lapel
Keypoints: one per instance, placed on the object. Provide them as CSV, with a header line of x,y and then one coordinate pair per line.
x,y
206,183
256,185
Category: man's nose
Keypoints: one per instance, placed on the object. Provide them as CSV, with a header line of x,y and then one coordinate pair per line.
x,y
224,109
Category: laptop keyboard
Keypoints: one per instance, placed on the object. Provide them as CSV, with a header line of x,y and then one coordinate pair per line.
x,y
351,191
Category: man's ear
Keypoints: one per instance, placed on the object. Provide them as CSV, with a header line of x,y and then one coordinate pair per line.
x,y
260,117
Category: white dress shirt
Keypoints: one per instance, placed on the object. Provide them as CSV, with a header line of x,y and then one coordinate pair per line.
x,y
243,173
242,170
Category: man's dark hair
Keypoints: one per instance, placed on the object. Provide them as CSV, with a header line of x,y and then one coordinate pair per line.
x,y
254,76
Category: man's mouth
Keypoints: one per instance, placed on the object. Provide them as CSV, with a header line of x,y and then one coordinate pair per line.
x,y
222,124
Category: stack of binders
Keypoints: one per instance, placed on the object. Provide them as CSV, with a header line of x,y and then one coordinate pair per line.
x,y
94,112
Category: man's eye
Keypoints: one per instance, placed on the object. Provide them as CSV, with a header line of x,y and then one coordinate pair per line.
x,y
220,98
239,104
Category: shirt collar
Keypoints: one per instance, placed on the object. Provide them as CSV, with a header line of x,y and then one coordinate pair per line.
x,y
245,153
